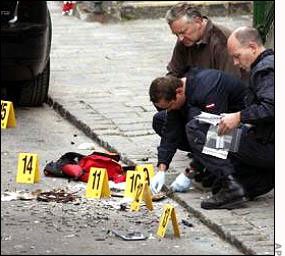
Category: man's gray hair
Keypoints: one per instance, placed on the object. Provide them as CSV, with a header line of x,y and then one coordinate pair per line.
x,y
180,10
245,35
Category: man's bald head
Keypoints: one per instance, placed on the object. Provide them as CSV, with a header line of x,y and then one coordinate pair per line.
x,y
245,35
245,45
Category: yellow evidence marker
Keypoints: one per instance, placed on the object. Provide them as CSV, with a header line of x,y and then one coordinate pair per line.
x,y
7,114
132,181
98,185
169,212
142,193
28,168
147,169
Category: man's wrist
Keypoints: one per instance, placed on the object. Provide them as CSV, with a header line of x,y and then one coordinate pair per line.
x,y
239,117
162,167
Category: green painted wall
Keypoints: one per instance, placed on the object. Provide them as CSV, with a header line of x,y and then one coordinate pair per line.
x,y
263,20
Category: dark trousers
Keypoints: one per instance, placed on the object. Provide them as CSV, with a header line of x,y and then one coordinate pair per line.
x,y
253,165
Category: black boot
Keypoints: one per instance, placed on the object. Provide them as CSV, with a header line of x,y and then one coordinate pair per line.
x,y
231,195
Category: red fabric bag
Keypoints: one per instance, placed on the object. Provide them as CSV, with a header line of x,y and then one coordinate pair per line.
x,y
114,169
79,169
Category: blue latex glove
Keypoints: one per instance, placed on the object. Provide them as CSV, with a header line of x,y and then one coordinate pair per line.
x,y
157,182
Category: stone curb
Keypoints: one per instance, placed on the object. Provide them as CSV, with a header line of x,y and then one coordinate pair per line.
x,y
83,127
152,10
215,227
223,232
242,236
132,10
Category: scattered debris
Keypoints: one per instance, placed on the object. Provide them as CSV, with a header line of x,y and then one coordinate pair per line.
x,y
59,196
19,195
159,196
18,247
144,159
70,236
100,238
117,186
87,146
187,223
123,207
6,238
132,236
76,187
116,194
151,236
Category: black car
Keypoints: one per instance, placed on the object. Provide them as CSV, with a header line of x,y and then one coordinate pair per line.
x,y
26,31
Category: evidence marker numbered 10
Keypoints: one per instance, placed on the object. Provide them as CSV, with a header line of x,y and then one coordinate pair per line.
x,y
140,174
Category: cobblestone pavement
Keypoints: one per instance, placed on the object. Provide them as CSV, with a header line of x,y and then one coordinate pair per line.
x,y
99,81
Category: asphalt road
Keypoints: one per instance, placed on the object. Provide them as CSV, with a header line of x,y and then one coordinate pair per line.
x,y
33,227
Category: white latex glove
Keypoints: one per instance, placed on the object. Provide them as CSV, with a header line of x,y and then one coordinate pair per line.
x,y
181,184
157,182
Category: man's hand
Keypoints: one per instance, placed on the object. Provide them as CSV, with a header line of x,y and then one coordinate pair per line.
x,y
181,184
157,182
228,122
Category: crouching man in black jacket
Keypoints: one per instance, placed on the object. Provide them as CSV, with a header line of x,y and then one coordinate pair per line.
x,y
206,90
254,163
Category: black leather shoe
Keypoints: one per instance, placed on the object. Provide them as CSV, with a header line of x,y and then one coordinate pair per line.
x,y
230,196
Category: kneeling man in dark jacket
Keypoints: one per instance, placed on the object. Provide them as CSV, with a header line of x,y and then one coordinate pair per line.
x,y
206,90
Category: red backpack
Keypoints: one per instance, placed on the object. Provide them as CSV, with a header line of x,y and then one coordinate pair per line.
x,y
77,166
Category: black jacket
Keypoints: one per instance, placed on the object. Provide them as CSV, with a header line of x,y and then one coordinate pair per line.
x,y
259,109
207,90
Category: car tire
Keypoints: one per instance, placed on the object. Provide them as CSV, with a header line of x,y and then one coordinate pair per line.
x,y
35,93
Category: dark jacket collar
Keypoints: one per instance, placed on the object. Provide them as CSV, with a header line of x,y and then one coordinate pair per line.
x,y
264,54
